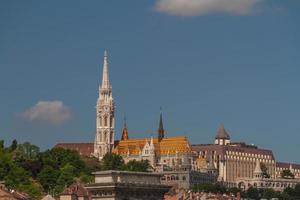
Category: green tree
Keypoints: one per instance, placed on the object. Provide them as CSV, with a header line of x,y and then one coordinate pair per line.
x,y
48,178
210,187
58,157
65,178
252,193
34,190
28,151
13,145
112,162
286,173
297,190
6,163
264,170
1,144
138,166
269,193
17,177
28,157
290,192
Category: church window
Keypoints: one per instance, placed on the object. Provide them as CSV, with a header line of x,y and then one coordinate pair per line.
x,y
105,121
104,137
111,122
100,121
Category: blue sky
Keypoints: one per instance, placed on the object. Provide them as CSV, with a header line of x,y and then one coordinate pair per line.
x,y
204,64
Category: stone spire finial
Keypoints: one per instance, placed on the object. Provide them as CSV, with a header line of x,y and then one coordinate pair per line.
x,y
125,131
105,76
161,131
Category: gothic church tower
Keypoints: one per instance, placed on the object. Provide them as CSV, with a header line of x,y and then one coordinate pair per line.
x,y
105,121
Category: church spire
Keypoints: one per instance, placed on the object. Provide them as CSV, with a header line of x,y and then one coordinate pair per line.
x,y
105,76
161,131
105,117
125,131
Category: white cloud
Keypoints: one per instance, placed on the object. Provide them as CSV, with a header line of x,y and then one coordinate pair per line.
x,y
53,112
204,7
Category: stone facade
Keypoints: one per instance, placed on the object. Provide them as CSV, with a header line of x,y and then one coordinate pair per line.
x,y
258,181
234,160
294,168
105,119
123,185
187,179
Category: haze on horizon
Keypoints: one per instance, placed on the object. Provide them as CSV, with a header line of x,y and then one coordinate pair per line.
x,y
205,64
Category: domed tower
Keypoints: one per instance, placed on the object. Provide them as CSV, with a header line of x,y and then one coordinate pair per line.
x,y
222,137
105,119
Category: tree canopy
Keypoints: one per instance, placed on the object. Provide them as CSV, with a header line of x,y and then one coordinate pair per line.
x,y
25,168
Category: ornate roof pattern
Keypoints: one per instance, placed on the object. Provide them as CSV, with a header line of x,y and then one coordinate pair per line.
x,y
169,145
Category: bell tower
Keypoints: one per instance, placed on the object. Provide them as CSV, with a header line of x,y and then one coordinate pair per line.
x,y
105,120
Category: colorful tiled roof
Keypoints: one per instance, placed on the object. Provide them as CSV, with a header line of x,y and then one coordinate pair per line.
x,y
169,145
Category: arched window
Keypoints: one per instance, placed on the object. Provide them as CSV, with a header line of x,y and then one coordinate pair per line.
x,y
100,121
104,137
111,122
105,120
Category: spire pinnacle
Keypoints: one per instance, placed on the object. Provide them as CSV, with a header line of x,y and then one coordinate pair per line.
x,y
125,131
105,76
161,131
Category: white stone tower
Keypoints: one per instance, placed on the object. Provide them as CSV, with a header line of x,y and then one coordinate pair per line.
x,y
105,120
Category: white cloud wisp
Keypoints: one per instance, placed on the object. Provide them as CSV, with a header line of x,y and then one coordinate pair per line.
x,y
52,112
205,7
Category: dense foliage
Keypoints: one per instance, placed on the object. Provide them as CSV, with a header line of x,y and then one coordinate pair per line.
x,y
115,162
251,193
24,168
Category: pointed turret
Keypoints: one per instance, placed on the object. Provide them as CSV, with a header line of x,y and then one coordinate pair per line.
x,y
125,131
222,137
222,133
105,76
257,171
161,131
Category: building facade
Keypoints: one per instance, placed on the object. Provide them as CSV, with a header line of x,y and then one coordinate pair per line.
x,y
294,169
123,185
260,182
171,152
187,179
234,160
